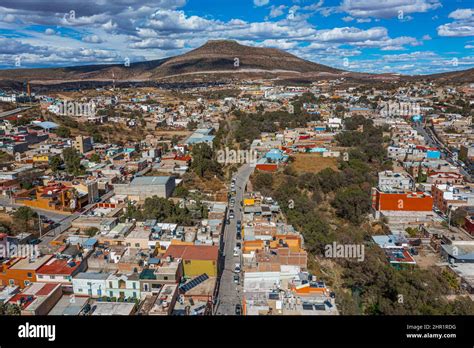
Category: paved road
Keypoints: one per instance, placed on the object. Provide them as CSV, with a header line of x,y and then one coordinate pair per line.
x,y
13,112
230,293
433,141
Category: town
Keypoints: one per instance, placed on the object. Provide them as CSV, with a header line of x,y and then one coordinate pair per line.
x,y
237,198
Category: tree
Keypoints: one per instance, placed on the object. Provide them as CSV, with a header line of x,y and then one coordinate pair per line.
x,y
352,203
95,158
63,132
9,309
23,216
55,163
91,231
458,217
72,159
203,163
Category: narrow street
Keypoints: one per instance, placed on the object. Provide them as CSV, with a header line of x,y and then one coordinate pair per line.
x,y
230,293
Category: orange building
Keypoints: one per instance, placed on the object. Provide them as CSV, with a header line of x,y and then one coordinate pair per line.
x,y
407,201
21,271
57,197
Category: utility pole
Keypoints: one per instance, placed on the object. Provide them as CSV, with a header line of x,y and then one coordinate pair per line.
x,y
39,224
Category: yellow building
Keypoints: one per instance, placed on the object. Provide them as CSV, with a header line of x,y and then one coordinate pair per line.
x,y
197,259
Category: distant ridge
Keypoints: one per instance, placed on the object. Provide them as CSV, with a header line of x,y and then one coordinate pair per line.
x,y
224,58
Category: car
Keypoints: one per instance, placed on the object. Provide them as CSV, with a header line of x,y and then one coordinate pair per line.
x,y
238,245
236,278
35,241
239,223
239,236
237,268
238,309
227,221
236,251
231,216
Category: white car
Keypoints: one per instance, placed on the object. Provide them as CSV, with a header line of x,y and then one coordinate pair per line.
x,y
237,268
236,252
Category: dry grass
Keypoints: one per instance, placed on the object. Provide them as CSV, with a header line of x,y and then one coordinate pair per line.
x,y
312,163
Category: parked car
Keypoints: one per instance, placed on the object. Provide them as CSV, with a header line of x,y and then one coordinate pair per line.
x,y
238,309
237,268
238,245
231,215
236,278
239,236
236,251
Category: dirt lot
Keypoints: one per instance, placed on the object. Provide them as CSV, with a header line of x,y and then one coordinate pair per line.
x,y
426,258
312,163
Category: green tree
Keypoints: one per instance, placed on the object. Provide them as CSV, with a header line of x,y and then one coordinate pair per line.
x,y
95,158
352,203
22,218
72,159
91,231
63,132
203,163
55,163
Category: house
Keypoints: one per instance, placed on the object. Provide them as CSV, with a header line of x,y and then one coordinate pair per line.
x,y
144,187
60,270
114,308
197,259
402,206
123,285
92,284
389,180
37,298
151,280
21,271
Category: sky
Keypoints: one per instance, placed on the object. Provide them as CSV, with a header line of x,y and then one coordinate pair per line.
x,y
377,36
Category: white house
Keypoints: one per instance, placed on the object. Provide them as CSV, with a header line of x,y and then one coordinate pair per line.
x,y
90,283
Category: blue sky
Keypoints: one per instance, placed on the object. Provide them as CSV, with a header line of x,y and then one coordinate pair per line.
x,y
401,36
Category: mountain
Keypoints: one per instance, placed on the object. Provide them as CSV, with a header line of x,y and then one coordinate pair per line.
x,y
214,57
215,60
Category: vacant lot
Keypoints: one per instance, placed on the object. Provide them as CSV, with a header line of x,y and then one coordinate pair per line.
x,y
312,163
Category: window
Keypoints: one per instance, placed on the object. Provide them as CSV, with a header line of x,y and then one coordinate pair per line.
x,y
79,290
110,285
187,262
165,278
134,285
12,282
27,282
53,277
134,294
40,276
111,293
99,292
29,275
137,245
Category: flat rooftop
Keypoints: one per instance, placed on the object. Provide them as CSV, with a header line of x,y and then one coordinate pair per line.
x,y
28,264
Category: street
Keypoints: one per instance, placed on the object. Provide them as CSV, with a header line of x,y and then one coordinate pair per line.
x,y
230,293
62,220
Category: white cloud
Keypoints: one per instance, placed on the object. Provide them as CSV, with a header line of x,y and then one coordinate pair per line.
x,y
387,8
92,39
463,24
261,2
